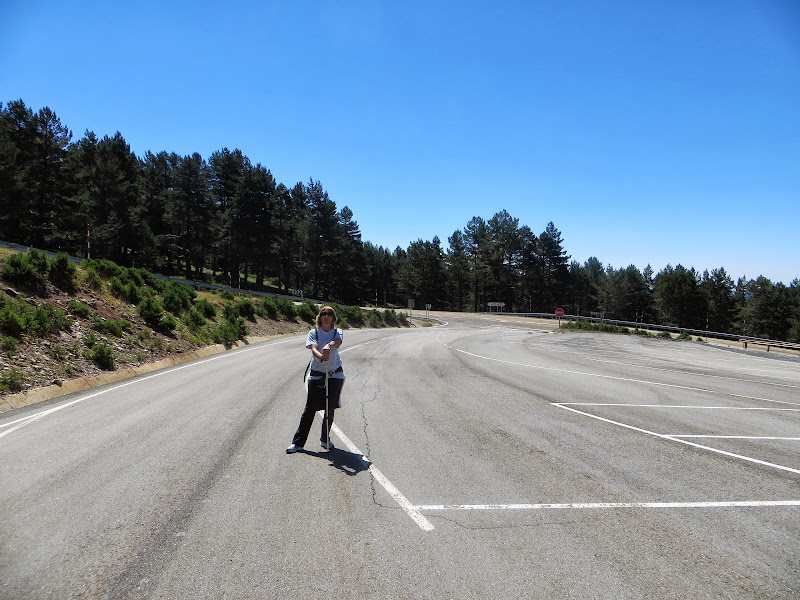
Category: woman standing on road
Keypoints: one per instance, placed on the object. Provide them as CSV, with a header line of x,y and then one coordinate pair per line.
x,y
324,342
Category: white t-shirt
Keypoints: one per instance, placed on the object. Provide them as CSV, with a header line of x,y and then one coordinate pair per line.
x,y
326,337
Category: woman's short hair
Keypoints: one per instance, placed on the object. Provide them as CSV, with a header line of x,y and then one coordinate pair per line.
x,y
326,309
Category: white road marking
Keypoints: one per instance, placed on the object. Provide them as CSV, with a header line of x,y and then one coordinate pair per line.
x,y
628,379
681,441
640,366
411,510
690,406
401,500
35,417
739,437
604,505
777,372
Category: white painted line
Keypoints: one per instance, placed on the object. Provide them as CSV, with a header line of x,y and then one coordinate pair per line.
x,y
739,437
35,417
682,441
640,366
678,406
604,505
401,500
628,379
409,508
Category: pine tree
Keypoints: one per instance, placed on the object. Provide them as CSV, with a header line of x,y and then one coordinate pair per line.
x,y
457,270
554,261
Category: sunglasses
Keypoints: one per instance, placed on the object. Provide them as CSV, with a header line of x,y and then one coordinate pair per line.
x,y
326,313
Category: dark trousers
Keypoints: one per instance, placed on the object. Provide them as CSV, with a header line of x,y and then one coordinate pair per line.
x,y
316,401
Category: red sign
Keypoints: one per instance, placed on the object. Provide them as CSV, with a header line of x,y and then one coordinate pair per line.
x,y
559,312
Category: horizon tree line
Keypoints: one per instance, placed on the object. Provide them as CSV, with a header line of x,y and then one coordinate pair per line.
x,y
227,220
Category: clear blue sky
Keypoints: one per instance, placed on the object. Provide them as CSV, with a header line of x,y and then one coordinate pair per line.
x,y
648,132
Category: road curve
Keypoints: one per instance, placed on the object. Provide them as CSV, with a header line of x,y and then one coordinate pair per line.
x,y
545,465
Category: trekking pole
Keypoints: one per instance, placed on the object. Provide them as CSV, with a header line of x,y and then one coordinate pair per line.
x,y
327,414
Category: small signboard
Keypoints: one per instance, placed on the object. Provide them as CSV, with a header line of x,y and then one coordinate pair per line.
x,y
559,312
498,305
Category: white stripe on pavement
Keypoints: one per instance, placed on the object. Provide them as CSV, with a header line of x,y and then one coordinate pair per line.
x,y
604,505
409,508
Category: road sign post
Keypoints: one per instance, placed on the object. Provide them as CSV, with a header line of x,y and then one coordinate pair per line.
x,y
559,314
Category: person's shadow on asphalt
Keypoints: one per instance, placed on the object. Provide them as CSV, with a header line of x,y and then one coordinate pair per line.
x,y
349,463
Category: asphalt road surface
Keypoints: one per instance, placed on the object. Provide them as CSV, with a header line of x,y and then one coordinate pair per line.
x,y
484,458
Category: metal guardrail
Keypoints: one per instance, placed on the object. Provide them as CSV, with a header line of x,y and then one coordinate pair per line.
x,y
656,327
216,286
698,332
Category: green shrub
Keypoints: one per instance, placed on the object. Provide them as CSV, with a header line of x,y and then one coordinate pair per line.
x,y
137,276
353,314
39,261
10,345
126,289
48,319
230,331
117,286
194,320
602,327
403,318
287,308
63,273
206,309
145,277
14,317
225,333
242,331
229,312
79,309
90,340
92,279
167,323
307,311
151,311
103,356
246,309
103,266
390,317
684,336
178,297
11,381
26,270
58,352
375,318
115,327
227,295
665,335
130,283
269,308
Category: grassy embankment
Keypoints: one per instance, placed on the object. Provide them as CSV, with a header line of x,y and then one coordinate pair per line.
x,y
60,321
